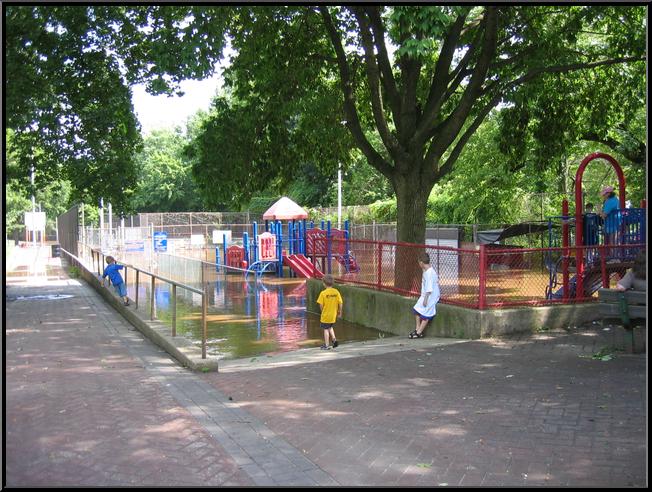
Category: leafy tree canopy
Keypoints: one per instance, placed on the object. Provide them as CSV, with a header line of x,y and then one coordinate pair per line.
x,y
306,82
68,73
411,84
165,180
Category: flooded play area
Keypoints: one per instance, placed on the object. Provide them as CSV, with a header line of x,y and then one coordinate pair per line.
x,y
249,317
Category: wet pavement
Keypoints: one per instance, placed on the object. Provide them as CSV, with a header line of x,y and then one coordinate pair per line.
x,y
90,402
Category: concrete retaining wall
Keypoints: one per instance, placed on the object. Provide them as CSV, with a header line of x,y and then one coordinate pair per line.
x,y
178,347
393,313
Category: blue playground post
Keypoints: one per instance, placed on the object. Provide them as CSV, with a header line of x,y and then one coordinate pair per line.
x,y
255,245
279,246
295,238
224,252
217,258
290,238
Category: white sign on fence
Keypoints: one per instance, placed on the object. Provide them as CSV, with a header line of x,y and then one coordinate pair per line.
x,y
218,236
197,240
135,233
35,221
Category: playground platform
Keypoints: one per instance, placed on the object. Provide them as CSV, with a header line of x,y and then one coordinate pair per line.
x,y
90,402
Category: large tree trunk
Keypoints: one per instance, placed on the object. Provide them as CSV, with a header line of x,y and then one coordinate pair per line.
x,y
411,201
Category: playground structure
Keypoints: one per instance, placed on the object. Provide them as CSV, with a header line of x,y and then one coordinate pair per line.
x,y
300,246
596,256
305,245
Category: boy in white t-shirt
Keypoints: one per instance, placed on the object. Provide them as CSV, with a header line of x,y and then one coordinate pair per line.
x,y
426,307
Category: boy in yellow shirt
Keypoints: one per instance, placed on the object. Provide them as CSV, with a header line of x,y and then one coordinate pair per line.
x,y
330,303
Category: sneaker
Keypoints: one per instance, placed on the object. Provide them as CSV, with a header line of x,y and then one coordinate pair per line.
x,y
324,347
335,343
126,303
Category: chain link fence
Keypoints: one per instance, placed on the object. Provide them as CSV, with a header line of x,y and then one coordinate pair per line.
x,y
487,276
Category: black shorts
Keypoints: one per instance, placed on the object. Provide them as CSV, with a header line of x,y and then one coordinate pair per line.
x,y
327,326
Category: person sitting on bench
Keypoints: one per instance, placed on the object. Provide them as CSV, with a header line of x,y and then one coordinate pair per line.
x,y
634,278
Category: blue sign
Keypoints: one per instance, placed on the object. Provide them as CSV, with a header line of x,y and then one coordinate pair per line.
x,y
160,242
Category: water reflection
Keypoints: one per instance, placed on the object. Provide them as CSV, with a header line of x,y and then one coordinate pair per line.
x,y
250,318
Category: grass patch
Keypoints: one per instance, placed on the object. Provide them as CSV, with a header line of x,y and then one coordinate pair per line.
x,y
604,354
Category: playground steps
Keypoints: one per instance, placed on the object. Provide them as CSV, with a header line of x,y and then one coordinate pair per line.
x,y
349,262
302,266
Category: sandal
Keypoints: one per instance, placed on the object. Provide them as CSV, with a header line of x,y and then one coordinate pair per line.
x,y
414,334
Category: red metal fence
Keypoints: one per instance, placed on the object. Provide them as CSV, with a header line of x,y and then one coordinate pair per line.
x,y
484,276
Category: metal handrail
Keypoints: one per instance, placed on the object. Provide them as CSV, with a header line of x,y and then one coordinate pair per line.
x,y
173,283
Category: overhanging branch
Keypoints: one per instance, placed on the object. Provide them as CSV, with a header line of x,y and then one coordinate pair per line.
x,y
353,121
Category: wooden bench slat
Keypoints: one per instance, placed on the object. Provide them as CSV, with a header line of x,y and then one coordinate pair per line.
x,y
636,297
613,310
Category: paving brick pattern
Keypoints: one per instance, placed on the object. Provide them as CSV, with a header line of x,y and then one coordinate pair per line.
x,y
89,402
525,411
81,410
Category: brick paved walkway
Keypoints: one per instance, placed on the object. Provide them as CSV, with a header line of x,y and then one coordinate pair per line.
x,y
89,402
533,411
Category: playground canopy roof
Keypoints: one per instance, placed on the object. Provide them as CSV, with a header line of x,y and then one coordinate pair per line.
x,y
285,209
494,235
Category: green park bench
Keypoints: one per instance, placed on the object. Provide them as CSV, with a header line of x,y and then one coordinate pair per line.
x,y
628,306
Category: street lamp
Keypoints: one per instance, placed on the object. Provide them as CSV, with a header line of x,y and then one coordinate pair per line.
x,y
339,189
31,178
339,195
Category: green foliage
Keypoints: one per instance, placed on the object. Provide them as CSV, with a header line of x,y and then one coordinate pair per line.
x,y
16,204
417,32
300,72
165,179
68,99
548,118
53,198
241,149
383,210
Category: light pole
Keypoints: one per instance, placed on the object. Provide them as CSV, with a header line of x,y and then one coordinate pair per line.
x,y
339,195
31,178
101,221
339,188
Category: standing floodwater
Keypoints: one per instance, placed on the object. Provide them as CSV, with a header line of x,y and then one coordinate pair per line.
x,y
249,317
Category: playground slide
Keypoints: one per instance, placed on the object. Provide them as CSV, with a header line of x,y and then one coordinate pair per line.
x,y
592,281
302,266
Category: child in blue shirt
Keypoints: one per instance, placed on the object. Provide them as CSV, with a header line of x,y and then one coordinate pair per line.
x,y
112,272
611,216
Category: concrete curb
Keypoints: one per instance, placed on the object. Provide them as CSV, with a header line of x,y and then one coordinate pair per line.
x,y
344,351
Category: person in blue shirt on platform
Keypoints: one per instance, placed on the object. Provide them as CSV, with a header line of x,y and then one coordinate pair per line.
x,y
611,215
112,272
